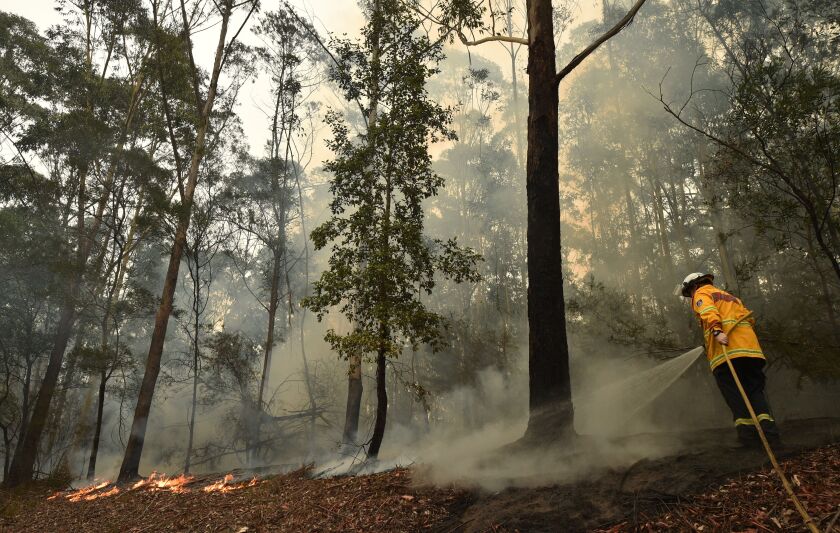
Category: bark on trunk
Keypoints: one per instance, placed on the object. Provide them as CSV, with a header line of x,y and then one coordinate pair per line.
x,y
131,460
381,407
550,396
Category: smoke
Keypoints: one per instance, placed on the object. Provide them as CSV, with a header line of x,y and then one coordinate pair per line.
x,y
633,216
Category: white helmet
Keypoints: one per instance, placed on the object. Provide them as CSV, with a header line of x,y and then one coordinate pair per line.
x,y
691,280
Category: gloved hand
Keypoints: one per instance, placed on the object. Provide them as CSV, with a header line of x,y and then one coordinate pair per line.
x,y
722,338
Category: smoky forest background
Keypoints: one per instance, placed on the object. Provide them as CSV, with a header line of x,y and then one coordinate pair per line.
x,y
346,276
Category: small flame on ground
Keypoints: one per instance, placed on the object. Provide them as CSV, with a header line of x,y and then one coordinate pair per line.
x,y
227,485
94,496
86,493
155,482
161,482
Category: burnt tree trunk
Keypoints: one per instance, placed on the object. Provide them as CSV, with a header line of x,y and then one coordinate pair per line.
x,y
381,406
550,398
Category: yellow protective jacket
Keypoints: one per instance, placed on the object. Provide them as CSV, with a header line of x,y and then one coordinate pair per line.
x,y
717,309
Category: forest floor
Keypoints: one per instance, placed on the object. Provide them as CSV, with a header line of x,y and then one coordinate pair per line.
x,y
707,484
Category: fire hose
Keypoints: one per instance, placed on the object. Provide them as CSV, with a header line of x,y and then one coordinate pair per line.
x,y
809,522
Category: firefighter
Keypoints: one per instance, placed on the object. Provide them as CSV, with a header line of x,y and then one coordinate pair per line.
x,y
718,311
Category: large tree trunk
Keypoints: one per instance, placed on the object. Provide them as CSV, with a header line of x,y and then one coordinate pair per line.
x,y
94,449
551,412
131,460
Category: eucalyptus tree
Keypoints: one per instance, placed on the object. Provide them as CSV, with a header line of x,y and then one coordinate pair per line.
x,y
264,196
379,257
550,393
187,178
92,110
781,60
206,236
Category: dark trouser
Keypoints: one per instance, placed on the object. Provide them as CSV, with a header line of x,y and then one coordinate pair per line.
x,y
750,372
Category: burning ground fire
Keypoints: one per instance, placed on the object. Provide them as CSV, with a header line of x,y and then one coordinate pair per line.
x,y
227,484
155,482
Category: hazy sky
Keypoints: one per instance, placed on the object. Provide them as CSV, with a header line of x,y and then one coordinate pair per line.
x,y
334,16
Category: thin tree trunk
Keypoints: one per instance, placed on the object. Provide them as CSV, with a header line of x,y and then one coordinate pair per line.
x,y
825,292
727,266
193,404
550,397
25,393
196,352
512,51
7,456
94,450
269,340
131,461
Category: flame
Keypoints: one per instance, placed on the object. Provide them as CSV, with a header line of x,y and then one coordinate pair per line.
x,y
161,482
89,497
155,482
227,485
86,493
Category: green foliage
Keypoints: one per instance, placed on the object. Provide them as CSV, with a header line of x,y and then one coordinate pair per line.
x,y
231,373
380,261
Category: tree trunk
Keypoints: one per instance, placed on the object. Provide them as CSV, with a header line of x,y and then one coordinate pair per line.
x,y
381,406
196,354
354,373
550,398
272,314
727,266
354,400
512,51
26,451
131,461
191,437
7,442
94,449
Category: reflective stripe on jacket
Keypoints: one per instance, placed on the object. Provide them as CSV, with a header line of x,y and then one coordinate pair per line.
x,y
717,309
